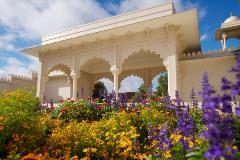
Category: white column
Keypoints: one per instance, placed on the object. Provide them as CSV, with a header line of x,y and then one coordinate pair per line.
x,y
42,88
115,73
74,85
147,80
171,65
224,45
39,81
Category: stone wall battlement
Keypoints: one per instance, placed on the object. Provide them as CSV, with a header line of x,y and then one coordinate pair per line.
x,y
209,54
20,77
5,80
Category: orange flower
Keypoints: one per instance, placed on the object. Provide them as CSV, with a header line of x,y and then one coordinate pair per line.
x,y
31,156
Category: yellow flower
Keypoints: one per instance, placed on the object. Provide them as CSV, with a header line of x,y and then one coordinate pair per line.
x,y
93,150
86,150
167,154
176,137
190,144
199,141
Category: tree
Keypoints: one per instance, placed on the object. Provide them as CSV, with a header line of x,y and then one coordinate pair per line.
x,y
162,89
99,90
142,89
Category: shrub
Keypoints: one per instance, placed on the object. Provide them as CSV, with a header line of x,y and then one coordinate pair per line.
x,y
20,130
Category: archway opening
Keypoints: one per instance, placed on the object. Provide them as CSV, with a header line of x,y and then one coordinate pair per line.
x,y
143,63
159,84
130,87
101,88
92,71
58,86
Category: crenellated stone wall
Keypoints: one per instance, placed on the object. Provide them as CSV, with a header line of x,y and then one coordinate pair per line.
x,y
13,81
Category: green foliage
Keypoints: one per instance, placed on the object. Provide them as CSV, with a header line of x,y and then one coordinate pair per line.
x,y
162,88
142,89
236,130
79,110
98,89
19,122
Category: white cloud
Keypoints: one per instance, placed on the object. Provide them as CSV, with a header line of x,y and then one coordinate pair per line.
x,y
15,66
33,18
6,41
204,37
130,5
27,20
130,84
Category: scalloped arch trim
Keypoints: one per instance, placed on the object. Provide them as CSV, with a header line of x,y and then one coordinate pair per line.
x,y
62,67
140,51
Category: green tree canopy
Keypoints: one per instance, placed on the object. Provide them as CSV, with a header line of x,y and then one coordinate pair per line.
x,y
162,88
98,90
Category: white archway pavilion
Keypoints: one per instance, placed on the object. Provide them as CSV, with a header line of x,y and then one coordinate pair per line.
x,y
143,43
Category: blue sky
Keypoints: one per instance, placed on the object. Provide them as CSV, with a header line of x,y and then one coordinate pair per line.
x,y
23,22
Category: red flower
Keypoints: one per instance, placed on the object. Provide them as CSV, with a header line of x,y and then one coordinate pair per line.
x,y
63,110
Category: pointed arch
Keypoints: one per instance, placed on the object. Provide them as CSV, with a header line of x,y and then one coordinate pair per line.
x,y
60,67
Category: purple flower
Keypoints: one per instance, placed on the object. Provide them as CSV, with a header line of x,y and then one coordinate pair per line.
x,y
194,101
238,110
150,132
219,133
163,138
136,145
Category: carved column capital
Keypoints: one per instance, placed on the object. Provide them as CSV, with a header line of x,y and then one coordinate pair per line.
x,y
115,70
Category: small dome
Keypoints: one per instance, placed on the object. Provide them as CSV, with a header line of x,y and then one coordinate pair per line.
x,y
232,19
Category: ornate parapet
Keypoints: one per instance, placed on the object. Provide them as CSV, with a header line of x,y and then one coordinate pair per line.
x,y
209,54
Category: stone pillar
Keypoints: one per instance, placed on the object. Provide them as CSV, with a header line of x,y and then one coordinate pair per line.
x,y
42,89
223,41
75,85
147,80
115,73
171,66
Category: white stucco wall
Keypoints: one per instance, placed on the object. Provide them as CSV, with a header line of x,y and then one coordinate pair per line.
x,y
191,73
57,89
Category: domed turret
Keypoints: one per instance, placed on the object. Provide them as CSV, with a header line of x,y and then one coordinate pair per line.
x,y
231,21
230,28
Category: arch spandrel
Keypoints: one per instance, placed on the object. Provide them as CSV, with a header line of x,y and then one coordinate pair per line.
x,y
51,63
156,48
105,56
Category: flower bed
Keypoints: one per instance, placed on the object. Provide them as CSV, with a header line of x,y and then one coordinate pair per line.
x,y
157,128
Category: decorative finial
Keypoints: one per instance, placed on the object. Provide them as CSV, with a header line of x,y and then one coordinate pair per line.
x,y
231,14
